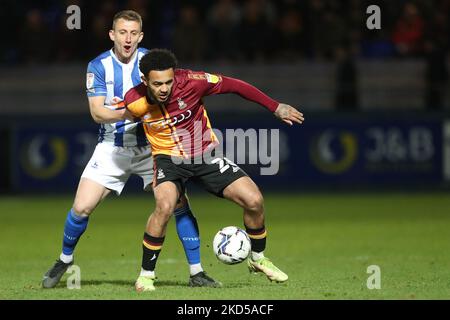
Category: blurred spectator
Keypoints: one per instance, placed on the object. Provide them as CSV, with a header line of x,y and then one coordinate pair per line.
x,y
107,10
346,80
255,31
189,38
99,37
436,76
334,33
223,18
377,45
327,29
290,44
408,31
141,7
11,18
230,30
36,42
436,50
285,5
69,42
315,13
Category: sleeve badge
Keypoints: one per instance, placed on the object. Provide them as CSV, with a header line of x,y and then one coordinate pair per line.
x,y
212,78
89,80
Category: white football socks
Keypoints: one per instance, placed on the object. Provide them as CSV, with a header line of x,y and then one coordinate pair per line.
x,y
195,268
66,258
257,255
146,273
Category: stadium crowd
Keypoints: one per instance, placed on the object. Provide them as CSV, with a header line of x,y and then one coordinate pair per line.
x,y
231,30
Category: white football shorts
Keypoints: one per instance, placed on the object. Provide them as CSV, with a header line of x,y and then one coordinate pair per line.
x,y
111,166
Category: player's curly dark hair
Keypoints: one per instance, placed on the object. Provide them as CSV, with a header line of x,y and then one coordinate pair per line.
x,y
157,59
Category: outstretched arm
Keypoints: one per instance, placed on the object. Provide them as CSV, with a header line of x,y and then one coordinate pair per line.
x,y
246,91
282,111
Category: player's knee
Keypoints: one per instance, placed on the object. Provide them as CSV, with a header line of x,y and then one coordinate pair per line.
x,y
164,208
82,209
255,202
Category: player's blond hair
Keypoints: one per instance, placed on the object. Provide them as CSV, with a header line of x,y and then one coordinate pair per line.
x,y
129,15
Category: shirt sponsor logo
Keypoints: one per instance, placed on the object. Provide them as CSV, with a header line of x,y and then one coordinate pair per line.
x,y
162,124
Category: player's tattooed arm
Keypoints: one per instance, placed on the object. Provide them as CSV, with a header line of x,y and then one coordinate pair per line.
x,y
288,114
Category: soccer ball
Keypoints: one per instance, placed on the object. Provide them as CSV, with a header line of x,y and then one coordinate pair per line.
x,y
231,245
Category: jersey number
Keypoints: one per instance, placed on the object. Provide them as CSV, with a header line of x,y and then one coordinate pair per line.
x,y
225,164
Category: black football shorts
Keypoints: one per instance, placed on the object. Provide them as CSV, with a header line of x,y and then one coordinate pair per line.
x,y
213,174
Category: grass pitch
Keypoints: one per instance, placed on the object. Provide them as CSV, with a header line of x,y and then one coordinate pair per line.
x,y
325,244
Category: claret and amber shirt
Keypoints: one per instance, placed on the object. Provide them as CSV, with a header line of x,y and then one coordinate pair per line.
x,y
180,126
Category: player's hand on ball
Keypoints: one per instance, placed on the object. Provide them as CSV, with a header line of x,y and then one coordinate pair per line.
x,y
289,114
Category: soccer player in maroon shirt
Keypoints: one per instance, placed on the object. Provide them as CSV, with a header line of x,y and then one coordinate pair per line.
x,y
169,102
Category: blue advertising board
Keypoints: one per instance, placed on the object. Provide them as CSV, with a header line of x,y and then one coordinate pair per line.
x,y
49,156
352,152
326,151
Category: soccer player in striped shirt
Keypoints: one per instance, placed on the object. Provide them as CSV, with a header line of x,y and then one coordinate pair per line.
x,y
170,102
122,149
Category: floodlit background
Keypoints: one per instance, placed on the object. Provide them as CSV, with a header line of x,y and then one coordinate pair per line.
x,y
364,181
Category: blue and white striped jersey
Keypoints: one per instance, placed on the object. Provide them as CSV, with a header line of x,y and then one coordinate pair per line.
x,y
107,76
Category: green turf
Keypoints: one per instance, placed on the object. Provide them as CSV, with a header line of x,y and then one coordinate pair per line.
x,y
323,242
